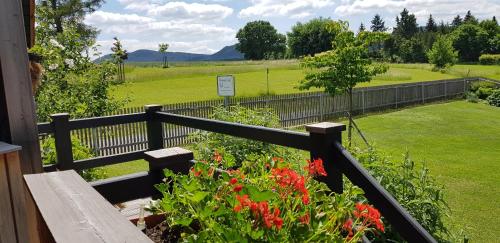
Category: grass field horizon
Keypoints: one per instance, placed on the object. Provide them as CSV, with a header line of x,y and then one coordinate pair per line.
x,y
148,83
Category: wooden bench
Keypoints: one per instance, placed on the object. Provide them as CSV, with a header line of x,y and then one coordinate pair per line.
x,y
73,211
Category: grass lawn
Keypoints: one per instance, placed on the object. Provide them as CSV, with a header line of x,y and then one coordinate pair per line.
x,y
197,81
460,143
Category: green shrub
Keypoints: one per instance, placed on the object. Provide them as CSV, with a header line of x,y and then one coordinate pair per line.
x,y
481,84
484,92
413,187
49,156
489,59
472,97
206,143
494,98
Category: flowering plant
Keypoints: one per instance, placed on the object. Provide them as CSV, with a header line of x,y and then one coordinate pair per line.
x,y
273,200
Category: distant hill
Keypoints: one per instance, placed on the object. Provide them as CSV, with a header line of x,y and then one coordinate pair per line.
x,y
226,53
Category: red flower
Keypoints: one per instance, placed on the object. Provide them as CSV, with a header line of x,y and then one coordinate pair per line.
x,y
237,188
233,181
290,181
305,199
196,172
217,157
348,227
237,208
316,168
305,219
369,215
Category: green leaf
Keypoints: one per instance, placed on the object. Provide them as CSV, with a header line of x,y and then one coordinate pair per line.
x,y
198,196
184,221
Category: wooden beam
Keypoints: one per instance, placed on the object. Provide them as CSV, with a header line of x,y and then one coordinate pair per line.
x,y
17,95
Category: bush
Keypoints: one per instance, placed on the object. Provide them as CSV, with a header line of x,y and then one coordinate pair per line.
x,y
267,201
472,97
413,187
442,53
49,156
240,149
494,98
474,87
489,59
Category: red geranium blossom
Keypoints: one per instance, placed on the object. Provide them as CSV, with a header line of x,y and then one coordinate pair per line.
x,y
369,215
315,167
233,181
238,188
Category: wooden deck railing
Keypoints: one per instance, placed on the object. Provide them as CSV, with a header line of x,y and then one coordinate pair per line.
x,y
323,140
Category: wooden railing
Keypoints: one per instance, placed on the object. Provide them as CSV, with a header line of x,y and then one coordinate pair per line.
x,y
323,140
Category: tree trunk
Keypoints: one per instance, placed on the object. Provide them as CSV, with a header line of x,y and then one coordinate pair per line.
x,y
349,131
57,17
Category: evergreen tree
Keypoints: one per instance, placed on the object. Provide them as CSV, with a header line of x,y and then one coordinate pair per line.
x,y
378,25
406,26
361,28
431,25
457,21
470,19
494,19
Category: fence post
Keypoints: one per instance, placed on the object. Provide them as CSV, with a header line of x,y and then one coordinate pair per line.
x,y
62,137
154,127
363,100
423,97
321,106
445,89
396,97
323,136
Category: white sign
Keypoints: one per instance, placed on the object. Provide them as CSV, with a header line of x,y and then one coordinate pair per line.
x,y
225,85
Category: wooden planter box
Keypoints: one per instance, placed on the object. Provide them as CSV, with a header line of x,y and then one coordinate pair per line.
x,y
72,211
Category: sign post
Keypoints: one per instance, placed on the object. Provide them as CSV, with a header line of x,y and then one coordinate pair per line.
x,y
226,87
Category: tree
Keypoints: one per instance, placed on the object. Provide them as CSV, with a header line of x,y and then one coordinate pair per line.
x,y
406,26
72,82
310,38
119,56
162,48
346,65
491,27
361,28
431,25
73,11
378,25
457,21
259,38
442,54
470,41
470,19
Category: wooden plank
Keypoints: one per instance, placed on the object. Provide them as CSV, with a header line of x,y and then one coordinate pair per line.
x,y
7,229
74,212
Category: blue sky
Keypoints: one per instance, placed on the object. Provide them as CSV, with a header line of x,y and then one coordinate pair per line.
x,y
205,26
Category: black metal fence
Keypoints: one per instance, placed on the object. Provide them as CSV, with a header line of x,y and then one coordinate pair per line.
x,y
292,109
323,140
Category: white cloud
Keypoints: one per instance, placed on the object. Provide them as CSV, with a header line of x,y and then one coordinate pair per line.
x,y
134,44
284,8
101,17
179,10
443,9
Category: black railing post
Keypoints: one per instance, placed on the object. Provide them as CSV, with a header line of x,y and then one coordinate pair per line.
x,y
62,137
323,137
154,127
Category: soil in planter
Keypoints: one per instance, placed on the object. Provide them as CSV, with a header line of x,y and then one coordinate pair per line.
x,y
162,233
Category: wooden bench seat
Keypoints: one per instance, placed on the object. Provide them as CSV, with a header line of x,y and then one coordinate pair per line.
x,y
74,212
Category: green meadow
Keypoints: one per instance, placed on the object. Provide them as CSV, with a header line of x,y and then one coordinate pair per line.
x,y
148,83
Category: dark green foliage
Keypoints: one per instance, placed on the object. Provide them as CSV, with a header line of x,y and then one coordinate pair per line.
x,y
258,39
73,11
482,89
490,59
310,38
80,151
494,98
431,25
470,41
470,19
378,25
413,187
206,143
406,26
457,21
493,30
361,28
412,50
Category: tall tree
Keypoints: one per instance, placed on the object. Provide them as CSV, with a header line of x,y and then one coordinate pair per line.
x,y
361,28
119,56
162,48
310,38
341,69
259,39
431,25
470,19
406,26
493,29
73,11
470,41
378,25
457,21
